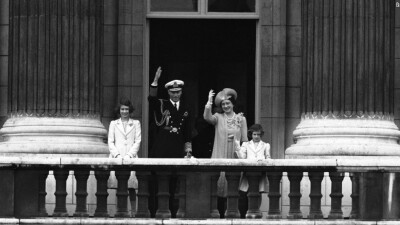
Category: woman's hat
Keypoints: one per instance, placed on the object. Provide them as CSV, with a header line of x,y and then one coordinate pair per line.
x,y
225,94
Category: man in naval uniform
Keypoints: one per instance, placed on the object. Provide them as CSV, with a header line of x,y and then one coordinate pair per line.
x,y
172,136
172,119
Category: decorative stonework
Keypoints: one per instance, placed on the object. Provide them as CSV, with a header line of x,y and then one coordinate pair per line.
x,y
348,115
54,82
345,137
347,81
53,137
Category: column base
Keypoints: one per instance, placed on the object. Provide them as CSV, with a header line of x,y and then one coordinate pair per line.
x,y
335,138
53,137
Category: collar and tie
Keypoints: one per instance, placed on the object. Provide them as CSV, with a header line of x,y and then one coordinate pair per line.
x,y
175,104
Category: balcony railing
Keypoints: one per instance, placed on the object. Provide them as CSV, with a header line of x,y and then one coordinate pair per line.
x,y
23,189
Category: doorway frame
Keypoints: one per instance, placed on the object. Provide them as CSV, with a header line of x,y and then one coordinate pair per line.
x,y
195,15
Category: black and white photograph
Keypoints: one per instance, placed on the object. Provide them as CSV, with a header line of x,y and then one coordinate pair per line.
x,y
199,112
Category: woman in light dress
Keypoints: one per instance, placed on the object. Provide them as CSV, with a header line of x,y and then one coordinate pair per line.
x,y
228,124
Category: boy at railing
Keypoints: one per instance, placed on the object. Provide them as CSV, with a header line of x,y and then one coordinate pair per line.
x,y
254,149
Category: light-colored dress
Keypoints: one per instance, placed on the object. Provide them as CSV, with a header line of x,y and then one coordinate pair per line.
x,y
124,139
224,127
251,150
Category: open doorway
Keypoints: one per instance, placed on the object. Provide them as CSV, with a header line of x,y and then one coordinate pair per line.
x,y
206,54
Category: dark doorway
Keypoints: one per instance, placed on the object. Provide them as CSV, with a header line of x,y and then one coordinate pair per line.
x,y
206,54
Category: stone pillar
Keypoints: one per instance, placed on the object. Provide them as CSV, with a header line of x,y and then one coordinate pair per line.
x,y
81,193
315,195
274,195
101,193
295,195
61,177
122,193
143,194
336,195
42,192
214,213
348,89
182,195
347,80
232,204
355,186
163,179
55,59
253,195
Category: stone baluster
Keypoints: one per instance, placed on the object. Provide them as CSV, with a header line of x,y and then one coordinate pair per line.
x,y
355,185
61,177
336,195
253,195
182,195
232,210
81,194
214,213
295,195
143,194
274,195
42,192
101,193
122,193
163,195
315,195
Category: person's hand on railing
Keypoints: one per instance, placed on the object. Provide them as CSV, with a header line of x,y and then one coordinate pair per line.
x,y
236,148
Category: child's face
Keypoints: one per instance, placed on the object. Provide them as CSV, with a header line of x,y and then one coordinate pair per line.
x,y
256,136
124,111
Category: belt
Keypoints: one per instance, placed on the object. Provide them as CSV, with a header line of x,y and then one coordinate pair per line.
x,y
172,129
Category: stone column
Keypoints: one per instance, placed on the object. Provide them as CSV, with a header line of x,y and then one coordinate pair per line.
x,y
55,59
347,80
348,89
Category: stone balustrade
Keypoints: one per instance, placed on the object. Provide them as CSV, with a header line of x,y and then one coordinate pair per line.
x,y
23,186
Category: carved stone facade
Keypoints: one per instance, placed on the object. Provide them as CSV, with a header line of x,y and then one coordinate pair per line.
x,y
54,79
348,80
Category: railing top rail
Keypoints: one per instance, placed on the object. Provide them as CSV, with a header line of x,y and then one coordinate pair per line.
x,y
379,164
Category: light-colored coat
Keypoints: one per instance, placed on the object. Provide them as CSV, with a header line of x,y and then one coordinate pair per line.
x,y
220,149
121,142
124,143
250,151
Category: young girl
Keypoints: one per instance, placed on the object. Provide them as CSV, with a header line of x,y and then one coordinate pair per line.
x,y
254,149
124,137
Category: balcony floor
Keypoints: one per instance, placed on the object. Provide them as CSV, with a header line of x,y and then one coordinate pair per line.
x,y
98,221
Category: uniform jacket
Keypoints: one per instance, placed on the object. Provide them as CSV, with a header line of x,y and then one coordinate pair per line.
x,y
124,142
173,128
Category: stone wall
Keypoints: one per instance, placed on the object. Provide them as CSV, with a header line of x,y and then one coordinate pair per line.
x,y
4,30
123,56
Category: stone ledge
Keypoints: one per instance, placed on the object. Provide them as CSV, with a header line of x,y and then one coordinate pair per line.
x,y
352,164
98,221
